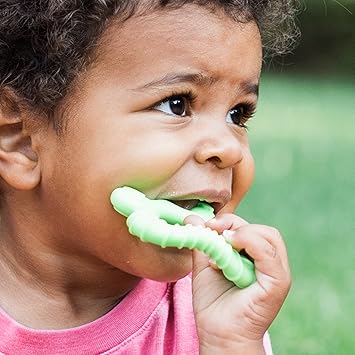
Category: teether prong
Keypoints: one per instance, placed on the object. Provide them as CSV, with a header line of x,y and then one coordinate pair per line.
x,y
160,222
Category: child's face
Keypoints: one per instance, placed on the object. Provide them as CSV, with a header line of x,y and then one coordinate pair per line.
x,y
119,132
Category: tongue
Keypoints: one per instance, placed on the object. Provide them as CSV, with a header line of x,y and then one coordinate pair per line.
x,y
187,204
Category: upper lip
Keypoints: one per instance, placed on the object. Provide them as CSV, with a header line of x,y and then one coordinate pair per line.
x,y
217,198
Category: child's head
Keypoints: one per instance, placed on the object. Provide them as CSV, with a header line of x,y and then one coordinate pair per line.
x,y
149,94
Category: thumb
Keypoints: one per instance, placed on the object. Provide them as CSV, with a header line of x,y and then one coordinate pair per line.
x,y
200,262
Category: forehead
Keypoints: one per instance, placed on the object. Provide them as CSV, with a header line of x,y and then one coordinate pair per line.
x,y
187,38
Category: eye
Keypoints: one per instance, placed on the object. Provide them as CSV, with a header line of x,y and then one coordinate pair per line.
x,y
174,105
240,114
236,115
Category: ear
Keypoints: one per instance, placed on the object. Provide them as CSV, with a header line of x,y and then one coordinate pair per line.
x,y
19,165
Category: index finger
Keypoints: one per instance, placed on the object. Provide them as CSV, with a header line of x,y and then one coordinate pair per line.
x,y
226,221
195,220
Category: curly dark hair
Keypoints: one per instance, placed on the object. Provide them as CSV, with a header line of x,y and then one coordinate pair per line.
x,y
44,44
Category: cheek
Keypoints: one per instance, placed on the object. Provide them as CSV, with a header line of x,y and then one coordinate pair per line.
x,y
151,166
243,176
147,158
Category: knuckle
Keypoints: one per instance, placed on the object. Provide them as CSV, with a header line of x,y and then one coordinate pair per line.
x,y
275,233
271,251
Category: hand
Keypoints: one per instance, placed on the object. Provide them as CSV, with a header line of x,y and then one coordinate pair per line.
x,y
232,319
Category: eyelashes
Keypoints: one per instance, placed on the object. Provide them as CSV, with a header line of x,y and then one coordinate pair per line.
x,y
180,104
177,104
242,114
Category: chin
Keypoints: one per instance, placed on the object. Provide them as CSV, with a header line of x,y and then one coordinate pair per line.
x,y
174,265
172,277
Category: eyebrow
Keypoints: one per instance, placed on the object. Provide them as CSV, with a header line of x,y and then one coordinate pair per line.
x,y
198,79
250,88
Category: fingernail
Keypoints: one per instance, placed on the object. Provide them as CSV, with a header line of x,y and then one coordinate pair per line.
x,y
228,234
213,264
194,220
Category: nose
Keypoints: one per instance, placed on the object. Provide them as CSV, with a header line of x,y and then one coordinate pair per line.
x,y
221,147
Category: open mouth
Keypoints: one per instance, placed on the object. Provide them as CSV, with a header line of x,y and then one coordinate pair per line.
x,y
190,204
187,204
217,199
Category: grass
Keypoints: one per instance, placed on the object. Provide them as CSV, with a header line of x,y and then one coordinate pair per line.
x,y
303,139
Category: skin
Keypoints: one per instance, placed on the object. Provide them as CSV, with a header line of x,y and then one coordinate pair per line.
x,y
63,247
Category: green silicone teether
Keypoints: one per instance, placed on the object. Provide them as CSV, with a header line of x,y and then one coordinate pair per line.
x,y
160,222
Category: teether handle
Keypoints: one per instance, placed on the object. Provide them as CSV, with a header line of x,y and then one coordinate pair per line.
x,y
151,229
126,200
160,222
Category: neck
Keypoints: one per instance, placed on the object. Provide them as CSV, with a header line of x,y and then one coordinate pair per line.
x,y
42,287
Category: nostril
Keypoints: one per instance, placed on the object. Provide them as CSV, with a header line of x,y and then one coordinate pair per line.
x,y
215,160
222,151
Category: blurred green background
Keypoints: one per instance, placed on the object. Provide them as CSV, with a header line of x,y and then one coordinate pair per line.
x,y
303,139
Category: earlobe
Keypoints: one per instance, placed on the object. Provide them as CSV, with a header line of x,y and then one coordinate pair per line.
x,y
19,164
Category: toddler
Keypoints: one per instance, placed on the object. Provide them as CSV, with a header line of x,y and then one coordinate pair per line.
x,y
150,94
